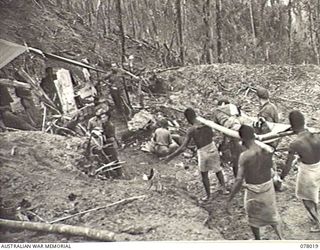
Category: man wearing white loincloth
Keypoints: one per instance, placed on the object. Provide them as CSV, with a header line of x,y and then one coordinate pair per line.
x,y
307,147
208,156
260,200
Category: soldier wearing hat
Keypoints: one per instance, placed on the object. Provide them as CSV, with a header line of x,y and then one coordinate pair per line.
x,y
268,111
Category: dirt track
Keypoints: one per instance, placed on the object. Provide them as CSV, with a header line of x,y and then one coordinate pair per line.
x,y
43,171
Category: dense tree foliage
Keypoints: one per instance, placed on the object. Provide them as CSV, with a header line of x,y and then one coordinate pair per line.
x,y
209,31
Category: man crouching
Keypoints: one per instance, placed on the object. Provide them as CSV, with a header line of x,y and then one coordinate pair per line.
x,y
260,201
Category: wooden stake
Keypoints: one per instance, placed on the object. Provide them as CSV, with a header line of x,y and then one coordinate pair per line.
x,y
44,118
99,208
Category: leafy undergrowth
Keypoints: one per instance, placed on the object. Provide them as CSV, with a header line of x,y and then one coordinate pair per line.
x,y
291,87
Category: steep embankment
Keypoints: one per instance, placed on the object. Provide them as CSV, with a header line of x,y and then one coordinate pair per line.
x,y
56,30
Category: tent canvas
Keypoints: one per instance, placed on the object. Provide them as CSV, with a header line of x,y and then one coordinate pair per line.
x,y
9,51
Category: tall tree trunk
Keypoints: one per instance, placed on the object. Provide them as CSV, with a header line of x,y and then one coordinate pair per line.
x,y
109,8
218,30
208,46
253,28
262,30
103,17
133,23
122,34
317,28
69,5
290,31
311,29
89,11
180,31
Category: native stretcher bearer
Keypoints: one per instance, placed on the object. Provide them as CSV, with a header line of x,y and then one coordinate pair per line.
x,y
260,200
208,156
307,147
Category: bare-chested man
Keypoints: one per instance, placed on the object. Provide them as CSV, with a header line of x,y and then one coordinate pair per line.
x,y
255,168
162,142
307,147
208,156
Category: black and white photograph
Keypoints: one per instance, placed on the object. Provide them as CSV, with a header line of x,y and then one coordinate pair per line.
x,y
159,121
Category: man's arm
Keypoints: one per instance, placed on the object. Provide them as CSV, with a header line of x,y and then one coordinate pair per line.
x,y
239,179
238,182
290,159
181,148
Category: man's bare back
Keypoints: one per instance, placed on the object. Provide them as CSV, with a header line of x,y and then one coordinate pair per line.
x,y
307,146
257,165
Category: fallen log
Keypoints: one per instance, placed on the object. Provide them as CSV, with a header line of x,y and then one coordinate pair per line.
x,y
101,235
231,133
14,83
99,208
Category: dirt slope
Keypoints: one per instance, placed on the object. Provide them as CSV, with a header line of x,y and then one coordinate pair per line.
x,y
43,171
291,87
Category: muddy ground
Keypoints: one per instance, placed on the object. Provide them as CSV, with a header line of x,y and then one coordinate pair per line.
x,y
42,173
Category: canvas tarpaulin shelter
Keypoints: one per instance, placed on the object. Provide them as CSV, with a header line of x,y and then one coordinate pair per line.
x,y
9,51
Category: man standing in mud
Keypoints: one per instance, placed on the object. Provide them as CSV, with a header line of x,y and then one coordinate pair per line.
x,y
255,168
208,156
307,147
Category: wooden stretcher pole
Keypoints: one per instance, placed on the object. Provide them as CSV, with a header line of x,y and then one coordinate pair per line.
x,y
272,137
231,133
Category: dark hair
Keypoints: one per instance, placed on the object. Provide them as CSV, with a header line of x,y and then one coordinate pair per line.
x,y
246,133
225,101
296,119
163,123
190,115
263,93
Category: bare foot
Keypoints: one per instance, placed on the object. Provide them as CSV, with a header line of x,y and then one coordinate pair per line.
x,y
315,229
205,198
